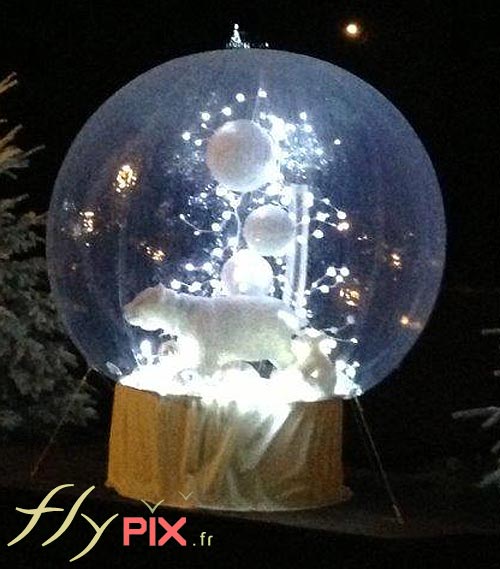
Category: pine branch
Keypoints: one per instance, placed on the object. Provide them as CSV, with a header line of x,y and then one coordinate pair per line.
x,y
9,82
37,366
492,415
490,418
11,156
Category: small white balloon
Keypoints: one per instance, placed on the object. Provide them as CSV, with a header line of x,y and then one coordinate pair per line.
x,y
246,272
242,156
269,230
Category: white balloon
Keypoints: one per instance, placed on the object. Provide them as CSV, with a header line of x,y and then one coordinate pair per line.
x,y
269,230
246,272
242,156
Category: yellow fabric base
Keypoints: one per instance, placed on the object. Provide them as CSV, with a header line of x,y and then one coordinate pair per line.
x,y
191,454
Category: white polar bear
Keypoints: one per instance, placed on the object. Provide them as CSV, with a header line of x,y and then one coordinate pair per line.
x,y
225,329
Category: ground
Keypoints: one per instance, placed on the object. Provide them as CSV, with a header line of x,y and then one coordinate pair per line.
x,y
448,522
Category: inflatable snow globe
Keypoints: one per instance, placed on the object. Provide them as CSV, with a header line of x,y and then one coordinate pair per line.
x,y
246,230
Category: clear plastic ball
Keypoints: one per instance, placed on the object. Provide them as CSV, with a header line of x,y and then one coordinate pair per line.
x,y
268,230
246,272
138,202
242,155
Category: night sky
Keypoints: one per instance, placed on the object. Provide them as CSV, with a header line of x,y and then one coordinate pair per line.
x,y
437,61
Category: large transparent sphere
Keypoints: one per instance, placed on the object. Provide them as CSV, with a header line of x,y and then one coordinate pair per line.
x,y
137,204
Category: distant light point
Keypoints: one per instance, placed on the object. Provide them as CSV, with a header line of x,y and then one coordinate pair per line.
x,y
353,30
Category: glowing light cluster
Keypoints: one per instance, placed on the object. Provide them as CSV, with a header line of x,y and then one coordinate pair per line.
x,y
84,226
395,261
351,296
154,253
87,221
125,180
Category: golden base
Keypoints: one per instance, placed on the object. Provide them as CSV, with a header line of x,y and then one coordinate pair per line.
x,y
193,454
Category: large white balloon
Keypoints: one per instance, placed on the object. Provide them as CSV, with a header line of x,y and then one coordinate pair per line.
x,y
242,156
246,272
269,230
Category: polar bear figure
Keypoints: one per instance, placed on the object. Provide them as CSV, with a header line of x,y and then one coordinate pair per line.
x,y
225,329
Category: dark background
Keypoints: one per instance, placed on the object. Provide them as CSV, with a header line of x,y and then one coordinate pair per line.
x,y
437,61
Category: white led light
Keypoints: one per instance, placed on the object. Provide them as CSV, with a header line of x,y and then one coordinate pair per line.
x,y
344,271
322,216
341,214
337,141
325,289
216,227
198,142
261,93
331,272
227,111
189,267
227,215
308,128
205,116
195,287
318,234
303,116
175,285
327,345
186,135
221,191
240,97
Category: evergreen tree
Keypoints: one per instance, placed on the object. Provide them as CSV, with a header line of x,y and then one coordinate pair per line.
x,y
39,384
490,419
